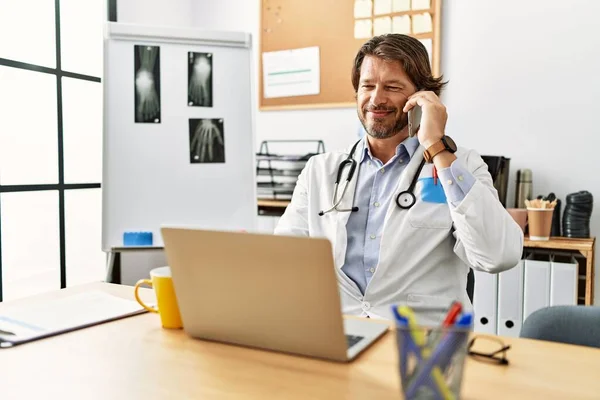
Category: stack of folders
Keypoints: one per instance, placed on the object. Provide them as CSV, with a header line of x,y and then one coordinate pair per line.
x,y
432,358
503,301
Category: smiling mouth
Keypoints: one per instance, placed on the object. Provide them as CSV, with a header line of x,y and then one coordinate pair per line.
x,y
379,113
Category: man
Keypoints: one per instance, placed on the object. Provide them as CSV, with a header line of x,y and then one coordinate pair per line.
x,y
388,250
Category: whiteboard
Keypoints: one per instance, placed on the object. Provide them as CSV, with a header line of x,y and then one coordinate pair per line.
x,y
148,179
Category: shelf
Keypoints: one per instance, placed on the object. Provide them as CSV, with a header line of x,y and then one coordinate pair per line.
x,y
561,243
278,172
273,203
275,157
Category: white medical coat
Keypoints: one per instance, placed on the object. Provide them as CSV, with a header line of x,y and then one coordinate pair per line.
x,y
425,251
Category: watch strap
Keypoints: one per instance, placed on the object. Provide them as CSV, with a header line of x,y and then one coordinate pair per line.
x,y
434,150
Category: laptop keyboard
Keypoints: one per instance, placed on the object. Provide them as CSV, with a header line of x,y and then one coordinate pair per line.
x,y
352,340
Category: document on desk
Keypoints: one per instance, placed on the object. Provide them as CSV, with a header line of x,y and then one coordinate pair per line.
x,y
36,321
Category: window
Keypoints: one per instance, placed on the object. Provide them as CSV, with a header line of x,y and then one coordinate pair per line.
x,y
50,145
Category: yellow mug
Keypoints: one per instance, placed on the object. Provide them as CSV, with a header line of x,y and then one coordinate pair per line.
x,y
162,282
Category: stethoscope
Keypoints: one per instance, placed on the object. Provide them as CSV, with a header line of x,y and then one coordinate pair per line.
x,y
405,199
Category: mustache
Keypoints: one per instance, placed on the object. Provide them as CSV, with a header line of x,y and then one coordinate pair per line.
x,y
380,108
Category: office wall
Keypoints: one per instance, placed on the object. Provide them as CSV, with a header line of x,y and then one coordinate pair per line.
x,y
522,84
155,12
337,127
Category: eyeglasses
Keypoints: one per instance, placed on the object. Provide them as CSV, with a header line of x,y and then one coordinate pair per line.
x,y
488,349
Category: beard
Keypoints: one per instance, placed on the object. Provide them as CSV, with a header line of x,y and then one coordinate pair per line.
x,y
378,128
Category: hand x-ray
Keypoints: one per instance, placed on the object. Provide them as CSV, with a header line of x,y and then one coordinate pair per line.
x,y
200,79
147,84
207,141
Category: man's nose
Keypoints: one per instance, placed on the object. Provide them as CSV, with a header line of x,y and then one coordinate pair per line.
x,y
378,96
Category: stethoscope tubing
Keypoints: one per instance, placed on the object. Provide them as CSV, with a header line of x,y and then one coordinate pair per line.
x,y
405,199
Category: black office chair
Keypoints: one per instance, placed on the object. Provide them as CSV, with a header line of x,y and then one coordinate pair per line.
x,y
578,325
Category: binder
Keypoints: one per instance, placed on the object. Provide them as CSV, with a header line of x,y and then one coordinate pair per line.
x,y
510,301
536,293
563,282
485,302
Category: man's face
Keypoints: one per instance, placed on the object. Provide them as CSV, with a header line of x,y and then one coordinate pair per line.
x,y
383,90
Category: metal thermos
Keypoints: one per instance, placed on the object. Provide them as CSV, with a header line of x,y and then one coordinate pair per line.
x,y
524,189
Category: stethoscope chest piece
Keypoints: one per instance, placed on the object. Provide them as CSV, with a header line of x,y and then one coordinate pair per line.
x,y
405,199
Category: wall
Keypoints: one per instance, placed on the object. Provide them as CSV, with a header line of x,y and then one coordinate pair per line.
x,y
521,85
155,12
337,127
517,72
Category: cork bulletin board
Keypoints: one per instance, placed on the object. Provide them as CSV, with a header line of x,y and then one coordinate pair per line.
x,y
338,28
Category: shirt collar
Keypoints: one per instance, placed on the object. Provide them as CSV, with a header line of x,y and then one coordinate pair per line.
x,y
410,144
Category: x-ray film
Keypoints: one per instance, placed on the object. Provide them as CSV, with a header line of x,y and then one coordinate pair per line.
x,y
207,141
147,84
200,68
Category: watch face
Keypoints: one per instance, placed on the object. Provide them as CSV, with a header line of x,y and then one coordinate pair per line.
x,y
450,145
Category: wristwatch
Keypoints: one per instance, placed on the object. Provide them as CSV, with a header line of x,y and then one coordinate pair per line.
x,y
446,143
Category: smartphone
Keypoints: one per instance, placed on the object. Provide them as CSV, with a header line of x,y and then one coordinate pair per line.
x,y
414,120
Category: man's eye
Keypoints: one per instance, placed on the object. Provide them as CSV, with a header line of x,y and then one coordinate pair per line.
x,y
368,86
393,88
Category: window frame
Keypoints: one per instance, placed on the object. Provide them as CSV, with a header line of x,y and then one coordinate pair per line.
x,y
61,186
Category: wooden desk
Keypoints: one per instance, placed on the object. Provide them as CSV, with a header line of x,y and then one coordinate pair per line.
x,y
136,359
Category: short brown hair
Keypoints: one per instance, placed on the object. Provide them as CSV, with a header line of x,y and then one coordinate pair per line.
x,y
410,52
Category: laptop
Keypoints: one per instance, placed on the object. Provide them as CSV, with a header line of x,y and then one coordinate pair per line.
x,y
276,293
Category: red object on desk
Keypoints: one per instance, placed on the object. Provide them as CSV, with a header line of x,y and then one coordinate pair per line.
x,y
435,175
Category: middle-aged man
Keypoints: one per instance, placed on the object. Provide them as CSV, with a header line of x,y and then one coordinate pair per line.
x,y
417,212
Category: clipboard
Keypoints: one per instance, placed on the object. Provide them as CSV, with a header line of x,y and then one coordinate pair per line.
x,y
24,324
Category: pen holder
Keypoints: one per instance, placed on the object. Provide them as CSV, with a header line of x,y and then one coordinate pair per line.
x,y
431,360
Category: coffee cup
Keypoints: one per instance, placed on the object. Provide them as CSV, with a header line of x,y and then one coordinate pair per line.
x,y
162,283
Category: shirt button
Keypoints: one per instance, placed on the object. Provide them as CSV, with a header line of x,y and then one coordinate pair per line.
x,y
460,177
366,305
401,161
376,204
371,270
368,162
373,237
382,170
450,182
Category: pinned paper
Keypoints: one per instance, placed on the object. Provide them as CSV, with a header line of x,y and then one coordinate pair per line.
x,y
421,4
382,26
294,72
401,6
383,7
363,29
401,24
421,23
428,43
363,8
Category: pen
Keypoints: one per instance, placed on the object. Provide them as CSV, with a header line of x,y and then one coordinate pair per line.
x,y
453,312
435,176
455,309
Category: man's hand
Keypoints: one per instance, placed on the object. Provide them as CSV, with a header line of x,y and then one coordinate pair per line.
x,y
433,119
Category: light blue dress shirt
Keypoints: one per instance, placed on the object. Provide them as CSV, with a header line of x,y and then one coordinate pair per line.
x,y
375,189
